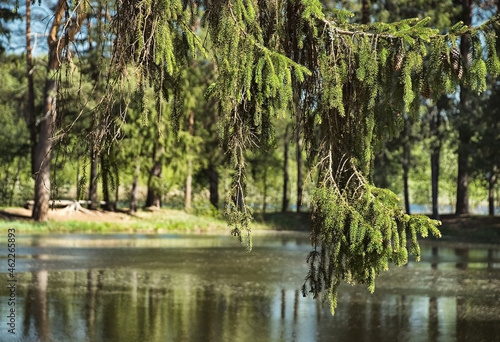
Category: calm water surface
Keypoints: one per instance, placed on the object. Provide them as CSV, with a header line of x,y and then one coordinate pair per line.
x,y
208,288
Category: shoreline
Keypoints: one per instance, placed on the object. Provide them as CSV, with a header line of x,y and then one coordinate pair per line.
x,y
470,229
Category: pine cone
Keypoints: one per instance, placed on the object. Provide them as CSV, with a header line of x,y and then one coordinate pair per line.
x,y
398,59
456,62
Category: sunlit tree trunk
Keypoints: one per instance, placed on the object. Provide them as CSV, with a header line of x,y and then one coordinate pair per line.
x,y
56,44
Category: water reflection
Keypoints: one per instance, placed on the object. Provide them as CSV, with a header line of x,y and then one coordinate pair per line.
x,y
215,291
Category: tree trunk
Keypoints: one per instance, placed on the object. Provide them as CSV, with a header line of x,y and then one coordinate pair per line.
x,y
134,203
435,158
464,136
94,160
189,191
43,148
264,196
189,178
365,12
286,176
213,179
406,162
491,192
153,198
105,183
406,170
300,176
30,107
116,175
43,153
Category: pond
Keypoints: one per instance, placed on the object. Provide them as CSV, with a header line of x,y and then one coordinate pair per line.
x,y
121,287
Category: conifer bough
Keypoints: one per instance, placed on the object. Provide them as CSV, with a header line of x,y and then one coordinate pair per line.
x,y
348,86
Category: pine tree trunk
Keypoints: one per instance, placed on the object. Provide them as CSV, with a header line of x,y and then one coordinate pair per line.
x,y
365,12
189,191
264,196
94,162
43,148
406,170
134,203
189,178
153,198
116,176
491,193
435,160
30,106
43,153
406,163
286,176
462,206
435,156
213,179
300,176
105,182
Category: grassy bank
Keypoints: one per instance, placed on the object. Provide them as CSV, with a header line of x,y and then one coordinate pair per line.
x,y
158,221
469,229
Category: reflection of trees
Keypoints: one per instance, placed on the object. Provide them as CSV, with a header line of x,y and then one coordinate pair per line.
x,y
463,253
91,303
433,319
39,306
176,304
36,307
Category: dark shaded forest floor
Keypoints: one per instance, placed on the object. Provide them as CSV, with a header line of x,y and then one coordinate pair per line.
x,y
481,229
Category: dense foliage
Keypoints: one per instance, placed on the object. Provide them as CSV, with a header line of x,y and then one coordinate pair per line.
x,y
347,88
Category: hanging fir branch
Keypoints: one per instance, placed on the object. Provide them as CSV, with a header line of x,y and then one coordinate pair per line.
x,y
352,85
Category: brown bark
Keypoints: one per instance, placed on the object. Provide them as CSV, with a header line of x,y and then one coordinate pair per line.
x,y
43,153
43,148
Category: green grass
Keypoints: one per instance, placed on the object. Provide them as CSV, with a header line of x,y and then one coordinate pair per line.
x,y
151,222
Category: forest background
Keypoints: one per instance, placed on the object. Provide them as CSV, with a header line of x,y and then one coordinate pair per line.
x,y
143,161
